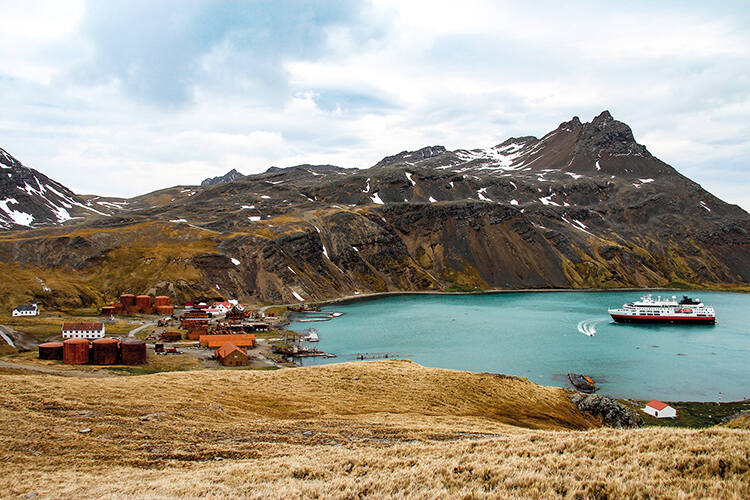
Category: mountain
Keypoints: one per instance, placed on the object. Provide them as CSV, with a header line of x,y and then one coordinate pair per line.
x,y
30,198
583,206
230,176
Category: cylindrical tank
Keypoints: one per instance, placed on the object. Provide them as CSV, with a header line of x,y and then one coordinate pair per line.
x,y
161,300
76,351
127,300
108,311
51,350
164,310
104,351
143,303
133,352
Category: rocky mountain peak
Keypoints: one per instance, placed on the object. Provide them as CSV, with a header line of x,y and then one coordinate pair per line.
x,y
412,156
606,135
230,176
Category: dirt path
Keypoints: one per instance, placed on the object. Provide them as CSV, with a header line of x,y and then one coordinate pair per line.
x,y
52,371
132,332
5,336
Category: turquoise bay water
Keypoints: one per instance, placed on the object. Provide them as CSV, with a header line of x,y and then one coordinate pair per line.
x,y
543,336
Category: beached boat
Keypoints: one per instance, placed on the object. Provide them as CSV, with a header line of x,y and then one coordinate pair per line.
x,y
665,310
582,383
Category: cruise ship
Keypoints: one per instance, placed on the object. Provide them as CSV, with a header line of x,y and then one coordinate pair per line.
x,y
665,310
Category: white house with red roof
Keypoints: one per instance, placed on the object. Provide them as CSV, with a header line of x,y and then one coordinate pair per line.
x,y
659,409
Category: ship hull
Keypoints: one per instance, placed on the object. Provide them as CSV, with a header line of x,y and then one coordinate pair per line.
x,y
684,320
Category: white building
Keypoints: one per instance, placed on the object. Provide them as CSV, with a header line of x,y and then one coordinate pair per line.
x,y
659,410
31,310
83,330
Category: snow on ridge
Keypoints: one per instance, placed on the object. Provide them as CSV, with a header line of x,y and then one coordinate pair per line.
x,y
547,200
703,205
376,199
265,197
178,221
297,296
235,261
480,194
432,200
243,207
577,225
408,176
292,270
575,176
20,218
597,165
514,202
254,218
646,181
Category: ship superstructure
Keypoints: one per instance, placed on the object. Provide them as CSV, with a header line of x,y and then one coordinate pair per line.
x,y
665,310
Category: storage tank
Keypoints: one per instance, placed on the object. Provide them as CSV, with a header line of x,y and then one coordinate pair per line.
x,y
51,350
127,300
161,300
104,351
143,303
76,351
164,310
133,352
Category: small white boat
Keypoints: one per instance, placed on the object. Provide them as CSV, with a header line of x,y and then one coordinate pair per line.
x,y
312,335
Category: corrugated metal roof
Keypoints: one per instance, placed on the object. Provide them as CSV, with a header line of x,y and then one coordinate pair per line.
x,y
82,326
216,341
227,349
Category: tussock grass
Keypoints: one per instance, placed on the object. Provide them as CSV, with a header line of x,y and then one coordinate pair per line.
x,y
378,429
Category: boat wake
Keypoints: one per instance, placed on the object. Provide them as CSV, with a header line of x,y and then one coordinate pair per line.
x,y
588,326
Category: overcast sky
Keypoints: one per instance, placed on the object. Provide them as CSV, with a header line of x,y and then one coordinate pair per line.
x,y
123,97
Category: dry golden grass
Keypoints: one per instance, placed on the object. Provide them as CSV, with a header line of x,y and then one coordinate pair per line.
x,y
380,429
154,364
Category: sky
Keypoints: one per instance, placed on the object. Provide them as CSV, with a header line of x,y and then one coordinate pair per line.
x,y
121,98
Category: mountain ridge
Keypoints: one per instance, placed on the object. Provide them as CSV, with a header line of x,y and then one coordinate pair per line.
x,y
583,206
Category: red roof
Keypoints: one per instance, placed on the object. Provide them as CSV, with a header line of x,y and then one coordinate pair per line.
x,y
657,405
82,326
227,349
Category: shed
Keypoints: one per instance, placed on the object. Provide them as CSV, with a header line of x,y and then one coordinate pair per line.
x,y
659,409
231,355
83,330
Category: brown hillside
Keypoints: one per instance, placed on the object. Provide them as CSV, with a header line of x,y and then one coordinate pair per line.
x,y
380,429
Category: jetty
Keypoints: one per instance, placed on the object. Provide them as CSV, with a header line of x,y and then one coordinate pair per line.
x,y
375,355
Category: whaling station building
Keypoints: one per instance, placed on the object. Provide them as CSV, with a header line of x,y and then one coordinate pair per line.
x,y
26,310
82,330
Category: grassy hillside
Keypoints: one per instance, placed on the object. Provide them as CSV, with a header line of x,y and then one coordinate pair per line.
x,y
380,429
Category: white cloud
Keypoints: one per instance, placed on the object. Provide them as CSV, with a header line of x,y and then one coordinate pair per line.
x,y
391,76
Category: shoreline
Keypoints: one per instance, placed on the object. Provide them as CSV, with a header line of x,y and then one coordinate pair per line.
x,y
348,299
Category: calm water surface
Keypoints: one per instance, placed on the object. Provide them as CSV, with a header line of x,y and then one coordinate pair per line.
x,y
543,336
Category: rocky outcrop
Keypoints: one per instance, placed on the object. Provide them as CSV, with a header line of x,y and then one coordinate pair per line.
x,y
230,176
612,413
